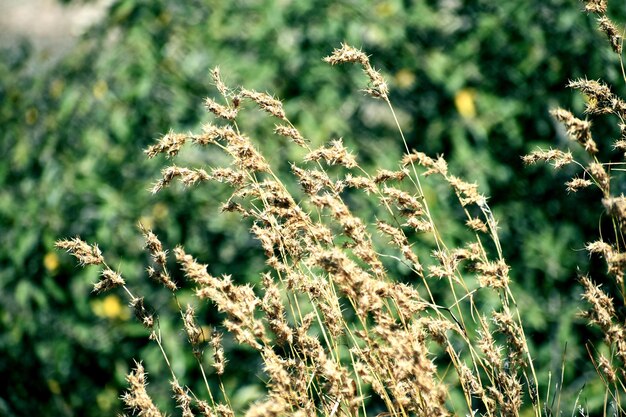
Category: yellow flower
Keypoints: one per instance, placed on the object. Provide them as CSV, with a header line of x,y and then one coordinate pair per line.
x,y
100,89
51,261
110,307
464,102
405,78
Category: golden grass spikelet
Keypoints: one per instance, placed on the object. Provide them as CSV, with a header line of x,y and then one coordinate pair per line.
x,y
193,331
186,176
407,299
312,181
616,206
292,133
219,361
212,133
595,6
169,144
438,166
515,337
223,410
238,302
493,274
384,175
605,367
216,76
600,98
144,314
576,184
611,32
193,270
81,250
467,193
275,311
579,130
557,157
136,397
402,200
600,247
362,183
265,102
602,311
110,279
334,154
229,176
477,225
349,54
602,179
487,344
246,156
420,225
219,110
183,399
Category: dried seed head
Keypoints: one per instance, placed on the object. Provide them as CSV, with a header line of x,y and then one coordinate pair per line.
x,y
601,177
612,33
219,362
576,184
604,366
477,225
383,175
136,398
602,311
335,154
212,133
361,183
183,399
557,157
194,333
601,99
290,132
169,144
265,102
595,6
81,250
110,279
185,175
349,54
217,80
143,313
616,206
493,274
219,110
579,130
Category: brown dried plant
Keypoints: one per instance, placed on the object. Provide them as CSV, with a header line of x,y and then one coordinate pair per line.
x,y
335,330
604,311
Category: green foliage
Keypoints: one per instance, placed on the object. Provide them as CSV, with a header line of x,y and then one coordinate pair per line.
x,y
474,81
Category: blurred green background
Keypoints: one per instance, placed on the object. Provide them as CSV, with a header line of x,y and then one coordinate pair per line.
x,y
472,80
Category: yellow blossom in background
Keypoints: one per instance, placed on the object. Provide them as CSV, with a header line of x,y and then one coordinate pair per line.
x,y
31,116
51,261
464,102
54,386
159,211
110,307
56,88
385,9
100,89
405,78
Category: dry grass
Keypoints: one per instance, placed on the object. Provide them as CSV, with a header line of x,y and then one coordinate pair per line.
x,y
335,330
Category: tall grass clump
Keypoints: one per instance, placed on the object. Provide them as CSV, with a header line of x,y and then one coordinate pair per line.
x,y
600,166
355,315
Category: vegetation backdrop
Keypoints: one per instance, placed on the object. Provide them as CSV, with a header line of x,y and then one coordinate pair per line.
x,y
474,81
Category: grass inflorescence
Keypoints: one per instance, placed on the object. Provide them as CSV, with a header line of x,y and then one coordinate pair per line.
x,y
337,332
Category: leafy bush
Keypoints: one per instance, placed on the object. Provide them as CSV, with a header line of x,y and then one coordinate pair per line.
x,y
474,82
